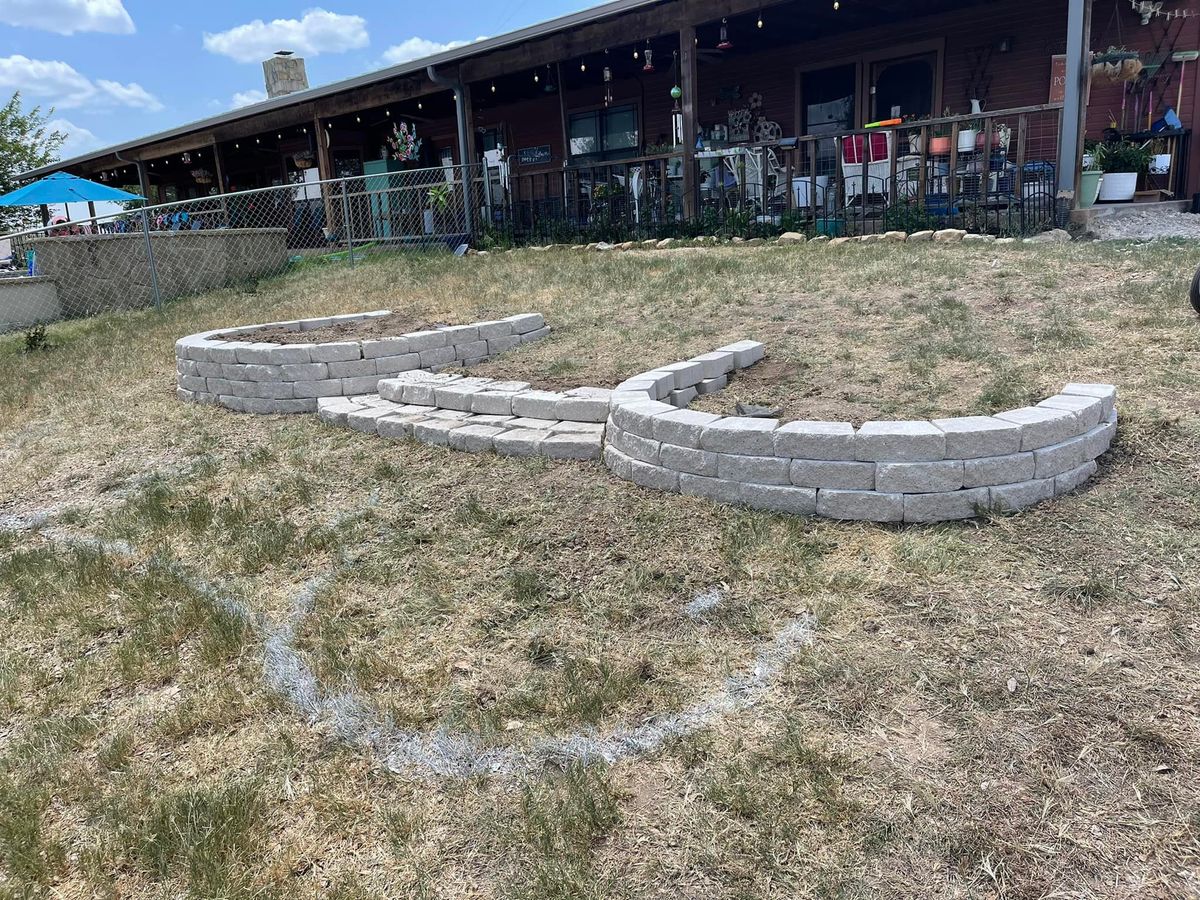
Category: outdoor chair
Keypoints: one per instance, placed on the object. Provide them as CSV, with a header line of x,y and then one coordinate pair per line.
x,y
879,147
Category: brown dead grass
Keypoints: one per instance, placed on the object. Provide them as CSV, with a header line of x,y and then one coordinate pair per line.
x,y
995,709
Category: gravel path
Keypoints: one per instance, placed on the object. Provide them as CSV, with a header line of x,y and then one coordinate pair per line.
x,y
1148,225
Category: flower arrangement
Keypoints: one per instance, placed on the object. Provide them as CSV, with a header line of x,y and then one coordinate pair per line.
x,y
404,142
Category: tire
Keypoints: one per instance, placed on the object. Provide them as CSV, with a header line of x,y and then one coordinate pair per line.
x,y
1194,293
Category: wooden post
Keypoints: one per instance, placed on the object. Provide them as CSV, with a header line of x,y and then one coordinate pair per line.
x,y
688,83
220,176
324,172
1074,111
566,133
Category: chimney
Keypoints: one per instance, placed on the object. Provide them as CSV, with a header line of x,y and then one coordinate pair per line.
x,y
284,74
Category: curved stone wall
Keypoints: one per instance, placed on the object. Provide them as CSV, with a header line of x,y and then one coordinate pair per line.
x,y
259,377
881,472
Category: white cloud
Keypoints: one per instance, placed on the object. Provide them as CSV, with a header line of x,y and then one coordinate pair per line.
x,y
316,32
418,47
59,84
245,98
68,16
79,139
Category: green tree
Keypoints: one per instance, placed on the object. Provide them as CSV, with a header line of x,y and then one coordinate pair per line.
x,y
26,142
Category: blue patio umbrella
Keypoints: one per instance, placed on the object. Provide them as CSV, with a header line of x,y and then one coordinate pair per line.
x,y
62,187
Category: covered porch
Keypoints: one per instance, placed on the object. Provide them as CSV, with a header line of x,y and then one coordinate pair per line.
x,y
698,116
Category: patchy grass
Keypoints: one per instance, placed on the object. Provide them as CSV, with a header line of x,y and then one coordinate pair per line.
x,y
1002,708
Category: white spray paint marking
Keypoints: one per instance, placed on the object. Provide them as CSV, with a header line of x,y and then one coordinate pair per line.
x,y
704,602
355,722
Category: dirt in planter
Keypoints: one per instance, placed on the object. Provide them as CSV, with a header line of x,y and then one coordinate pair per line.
x,y
356,330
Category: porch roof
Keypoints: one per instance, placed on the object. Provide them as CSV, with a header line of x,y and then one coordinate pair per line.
x,y
887,9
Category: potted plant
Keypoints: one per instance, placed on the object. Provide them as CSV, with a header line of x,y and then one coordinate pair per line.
x,y
968,135
1121,162
438,198
939,140
1089,181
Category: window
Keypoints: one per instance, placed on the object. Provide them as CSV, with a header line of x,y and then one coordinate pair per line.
x,y
604,134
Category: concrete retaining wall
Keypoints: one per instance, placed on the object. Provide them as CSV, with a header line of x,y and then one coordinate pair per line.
x,y
28,301
102,272
259,377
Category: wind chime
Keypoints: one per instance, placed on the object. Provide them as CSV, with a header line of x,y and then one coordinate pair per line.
x,y
608,97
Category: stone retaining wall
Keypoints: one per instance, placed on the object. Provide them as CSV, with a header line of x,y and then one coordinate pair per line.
x,y
258,377
881,472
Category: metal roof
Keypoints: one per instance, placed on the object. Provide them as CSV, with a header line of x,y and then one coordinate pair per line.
x,y
415,66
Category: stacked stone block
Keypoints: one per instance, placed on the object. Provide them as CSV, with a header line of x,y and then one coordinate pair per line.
x,y
881,472
256,377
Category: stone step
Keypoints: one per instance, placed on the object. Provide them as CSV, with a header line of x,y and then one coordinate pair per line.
x,y
506,435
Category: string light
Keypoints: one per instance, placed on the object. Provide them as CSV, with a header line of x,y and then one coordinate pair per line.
x,y
582,66
759,22
358,119
836,5
536,78
420,105
493,87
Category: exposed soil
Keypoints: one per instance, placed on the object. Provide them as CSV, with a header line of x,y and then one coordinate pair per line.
x,y
358,330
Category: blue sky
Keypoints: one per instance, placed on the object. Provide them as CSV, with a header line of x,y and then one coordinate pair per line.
x,y
118,69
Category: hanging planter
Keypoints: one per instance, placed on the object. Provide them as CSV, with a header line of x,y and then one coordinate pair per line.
x,y
305,160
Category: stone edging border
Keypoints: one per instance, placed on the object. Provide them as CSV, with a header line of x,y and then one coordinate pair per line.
x,y
265,378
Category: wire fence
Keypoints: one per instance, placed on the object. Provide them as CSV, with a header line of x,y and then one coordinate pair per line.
x,y
143,257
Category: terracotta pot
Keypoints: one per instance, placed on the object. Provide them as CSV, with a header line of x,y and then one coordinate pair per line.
x,y
939,146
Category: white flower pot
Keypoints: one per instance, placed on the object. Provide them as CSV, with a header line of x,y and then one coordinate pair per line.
x,y
966,140
1118,186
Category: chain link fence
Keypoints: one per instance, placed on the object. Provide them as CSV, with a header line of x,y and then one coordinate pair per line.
x,y
145,256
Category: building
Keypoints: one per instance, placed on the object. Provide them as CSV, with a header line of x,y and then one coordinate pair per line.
x,y
658,111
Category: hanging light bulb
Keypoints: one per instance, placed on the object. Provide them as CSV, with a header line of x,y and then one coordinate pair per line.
x,y
388,113
635,52
582,66
536,77
493,87
649,54
358,119
836,5
724,43
420,105
759,22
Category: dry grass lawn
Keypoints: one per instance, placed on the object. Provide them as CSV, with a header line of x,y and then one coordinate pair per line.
x,y
1004,708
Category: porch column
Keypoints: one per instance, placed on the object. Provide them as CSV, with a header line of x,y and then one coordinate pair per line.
x,y
688,84
325,173
219,174
1074,112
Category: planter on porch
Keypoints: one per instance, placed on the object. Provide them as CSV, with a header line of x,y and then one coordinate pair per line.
x,y
1117,187
1089,187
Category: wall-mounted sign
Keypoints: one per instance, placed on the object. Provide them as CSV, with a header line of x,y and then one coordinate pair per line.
x,y
534,156
1058,78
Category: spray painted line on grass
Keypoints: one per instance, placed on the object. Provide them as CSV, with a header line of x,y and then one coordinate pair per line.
x,y
441,753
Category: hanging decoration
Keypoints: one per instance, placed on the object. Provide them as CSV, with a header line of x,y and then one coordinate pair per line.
x,y
202,176
725,43
649,57
607,86
549,87
405,144
1149,10
305,159
676,112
